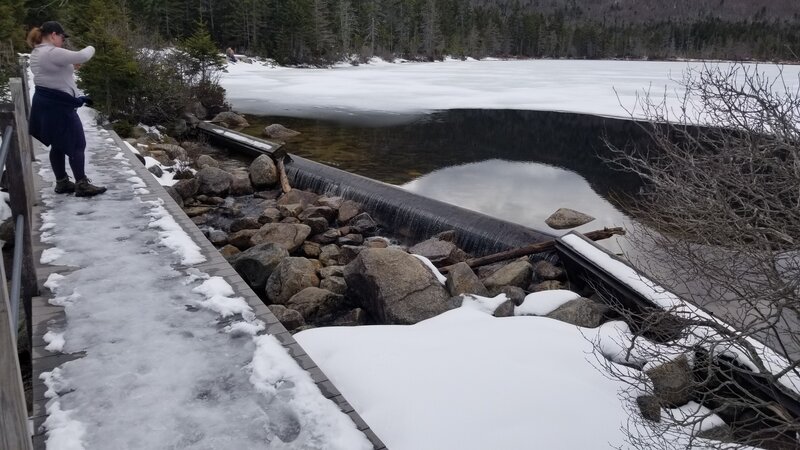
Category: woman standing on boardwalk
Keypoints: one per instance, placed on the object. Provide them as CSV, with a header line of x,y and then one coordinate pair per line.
x,y
54,117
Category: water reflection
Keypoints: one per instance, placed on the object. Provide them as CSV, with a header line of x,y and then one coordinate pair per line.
x,y
521,192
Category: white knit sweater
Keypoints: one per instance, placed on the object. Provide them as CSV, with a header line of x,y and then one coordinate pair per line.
x,y
53,68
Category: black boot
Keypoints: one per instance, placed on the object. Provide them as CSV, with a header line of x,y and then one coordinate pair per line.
x,y
85,188
64,186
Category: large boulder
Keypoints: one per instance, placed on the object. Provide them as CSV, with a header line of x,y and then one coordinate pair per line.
x,y
517,273
291,276
672,381
395,287
290,236
439,252
230,119
278,131
347,210
565,218
172,150
263,172
289,318
213,181
304,198
581,312
462,280
256,264
175,195
241,239
545,270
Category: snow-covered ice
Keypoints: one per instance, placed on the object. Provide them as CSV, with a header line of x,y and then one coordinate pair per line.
x,y
608,88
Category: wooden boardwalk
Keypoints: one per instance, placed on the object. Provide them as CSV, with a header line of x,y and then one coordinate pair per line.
x,y
46,315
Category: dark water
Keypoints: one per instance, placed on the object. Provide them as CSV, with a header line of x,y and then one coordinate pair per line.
x,y
398,154
515,165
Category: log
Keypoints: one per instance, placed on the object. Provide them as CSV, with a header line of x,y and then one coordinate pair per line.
x,y
539,247
279,155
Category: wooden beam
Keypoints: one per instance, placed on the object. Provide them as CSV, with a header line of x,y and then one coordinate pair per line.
x,y
539,247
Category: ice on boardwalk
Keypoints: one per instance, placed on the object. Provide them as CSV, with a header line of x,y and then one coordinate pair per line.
x,y
167,347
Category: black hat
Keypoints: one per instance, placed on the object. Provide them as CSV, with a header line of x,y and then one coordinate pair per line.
x,y
53,27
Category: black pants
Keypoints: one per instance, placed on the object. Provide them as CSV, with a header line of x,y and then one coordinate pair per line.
x,y
72,149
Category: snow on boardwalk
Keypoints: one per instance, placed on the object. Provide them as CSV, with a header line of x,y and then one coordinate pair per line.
x,y
162,352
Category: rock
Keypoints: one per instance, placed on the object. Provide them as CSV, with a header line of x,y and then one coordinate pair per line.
x,y
331,271
290,318
290,210
263,172
649,407
7,234
448,236
229,251
156,171
347,210
348,253
331,202
462,280
439,252
172,150
231,119
363,223
506,309
244,223
316,305
328,237
517,273
206,161
395,287
194,211
581,312
186,188
270,215
352,318
278,131
567,218
257,263
241,239
271,194
213,181
672,382
200,220
377,242
545,270
311,249
318,225
515,294
287,235
318,211
218,237
175,195
292,275
241,184
298,196
722,433
548,285
290,220
337,285
329,255
351,239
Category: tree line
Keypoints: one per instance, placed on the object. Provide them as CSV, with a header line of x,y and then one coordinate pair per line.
x,y
321,31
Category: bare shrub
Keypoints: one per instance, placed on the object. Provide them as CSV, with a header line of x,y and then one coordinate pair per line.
x,y
720,225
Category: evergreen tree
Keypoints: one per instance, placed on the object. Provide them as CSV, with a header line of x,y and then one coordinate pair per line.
x,y
203,59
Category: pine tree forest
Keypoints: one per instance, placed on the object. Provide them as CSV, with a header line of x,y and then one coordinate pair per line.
x,y
321,31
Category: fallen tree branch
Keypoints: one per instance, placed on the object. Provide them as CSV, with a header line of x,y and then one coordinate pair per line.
x,y
539,247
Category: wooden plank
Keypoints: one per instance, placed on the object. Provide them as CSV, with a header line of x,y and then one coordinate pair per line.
x,y
13,412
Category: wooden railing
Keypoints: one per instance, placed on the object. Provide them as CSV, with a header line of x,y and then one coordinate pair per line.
x,y
16,155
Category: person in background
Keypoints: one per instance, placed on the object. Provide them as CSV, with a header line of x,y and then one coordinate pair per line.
x,y
54,117
230,54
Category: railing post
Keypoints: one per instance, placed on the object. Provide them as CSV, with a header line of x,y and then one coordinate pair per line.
x,y
19,96
23,67
14,432
20,176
